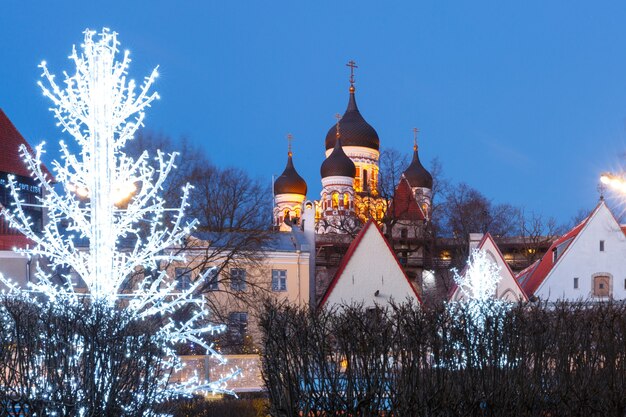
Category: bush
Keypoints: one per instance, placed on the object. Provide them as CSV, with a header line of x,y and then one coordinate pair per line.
x,y
567,359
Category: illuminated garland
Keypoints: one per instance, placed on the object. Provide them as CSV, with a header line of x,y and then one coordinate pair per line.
x,y
111,201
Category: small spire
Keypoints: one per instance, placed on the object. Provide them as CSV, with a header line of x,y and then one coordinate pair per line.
x,y
415,132
289,139
352,66
338,117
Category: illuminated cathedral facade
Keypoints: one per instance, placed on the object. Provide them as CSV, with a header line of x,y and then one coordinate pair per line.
x,y
350,178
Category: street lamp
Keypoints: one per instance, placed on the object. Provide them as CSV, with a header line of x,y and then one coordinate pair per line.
x,y
616,182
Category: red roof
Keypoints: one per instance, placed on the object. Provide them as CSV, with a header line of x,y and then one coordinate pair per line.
x,y
532,277
404,206
346,259
480,245
10,140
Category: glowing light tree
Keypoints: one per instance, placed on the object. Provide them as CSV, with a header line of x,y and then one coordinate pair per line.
x,y
478,307
480,279
111,201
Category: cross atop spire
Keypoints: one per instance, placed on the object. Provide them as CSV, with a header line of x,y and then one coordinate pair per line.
x,y
289,139
352,66
338,117
415,132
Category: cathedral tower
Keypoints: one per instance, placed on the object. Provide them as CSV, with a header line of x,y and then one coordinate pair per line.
x,y
336,206
420,180
289,194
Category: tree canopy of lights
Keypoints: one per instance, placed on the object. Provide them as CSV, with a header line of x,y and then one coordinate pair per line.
x,y
112,201
480,278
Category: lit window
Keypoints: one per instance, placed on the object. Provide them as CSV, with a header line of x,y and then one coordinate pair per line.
x,y
575,283
335,200
602,246
211,279
237,279
183,279
345,200
279,280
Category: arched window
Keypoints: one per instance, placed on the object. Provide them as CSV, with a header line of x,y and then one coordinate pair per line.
x,y
346,200
298,212
335,200
286,213
366,185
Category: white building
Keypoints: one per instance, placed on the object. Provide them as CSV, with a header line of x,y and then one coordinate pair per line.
x,y
369,274
588,262
508,288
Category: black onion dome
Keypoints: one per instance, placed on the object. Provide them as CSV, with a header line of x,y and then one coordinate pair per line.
x,y
338,164
416,174
355,131
290,182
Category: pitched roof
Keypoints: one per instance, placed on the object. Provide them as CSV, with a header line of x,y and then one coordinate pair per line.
x,y
531,278
404,206
348,256
10,141
487,236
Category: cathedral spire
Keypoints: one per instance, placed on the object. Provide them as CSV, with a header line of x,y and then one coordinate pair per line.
x,y
415,132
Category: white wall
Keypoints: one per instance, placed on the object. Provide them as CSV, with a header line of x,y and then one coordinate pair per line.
x,y
583,259
371,268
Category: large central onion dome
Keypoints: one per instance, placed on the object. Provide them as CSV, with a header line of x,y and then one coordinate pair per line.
x,y
338,164
416,174
290,182
355,131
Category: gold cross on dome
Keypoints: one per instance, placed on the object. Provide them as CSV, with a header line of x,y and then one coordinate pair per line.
x,y
352,66
289,139
415,132
338,117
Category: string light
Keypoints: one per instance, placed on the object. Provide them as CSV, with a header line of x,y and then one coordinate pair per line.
x,y
102,111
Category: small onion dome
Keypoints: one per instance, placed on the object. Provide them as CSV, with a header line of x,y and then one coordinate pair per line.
x,y
338,164
355,131
416,174
290,182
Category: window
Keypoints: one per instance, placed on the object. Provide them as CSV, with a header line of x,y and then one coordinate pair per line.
x,y
601,286
211,279
237,327
602,246
404,233
238,279
575,283
183,279
335,200
346,201
625,283
279,280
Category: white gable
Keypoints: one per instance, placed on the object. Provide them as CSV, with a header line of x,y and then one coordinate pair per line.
x,y
372,275
584,260
507,289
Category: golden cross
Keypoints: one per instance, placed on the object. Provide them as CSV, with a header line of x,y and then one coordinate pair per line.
x,y
352,66
415,132
338,117
289,139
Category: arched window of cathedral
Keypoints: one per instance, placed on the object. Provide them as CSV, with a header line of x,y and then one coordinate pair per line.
x,y
346,200
335,200
357,180
298,212
365,183
286,213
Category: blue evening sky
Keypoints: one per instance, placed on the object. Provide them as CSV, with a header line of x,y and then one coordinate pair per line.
x,y
525,101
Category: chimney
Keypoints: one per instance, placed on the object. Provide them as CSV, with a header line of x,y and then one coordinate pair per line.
x,y
474,240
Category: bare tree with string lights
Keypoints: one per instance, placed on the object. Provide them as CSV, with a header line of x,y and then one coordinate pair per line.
x,y
112,201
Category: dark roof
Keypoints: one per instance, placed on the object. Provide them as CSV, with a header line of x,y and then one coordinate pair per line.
x,y
355,131
338,164
10,140
290,182
416,174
